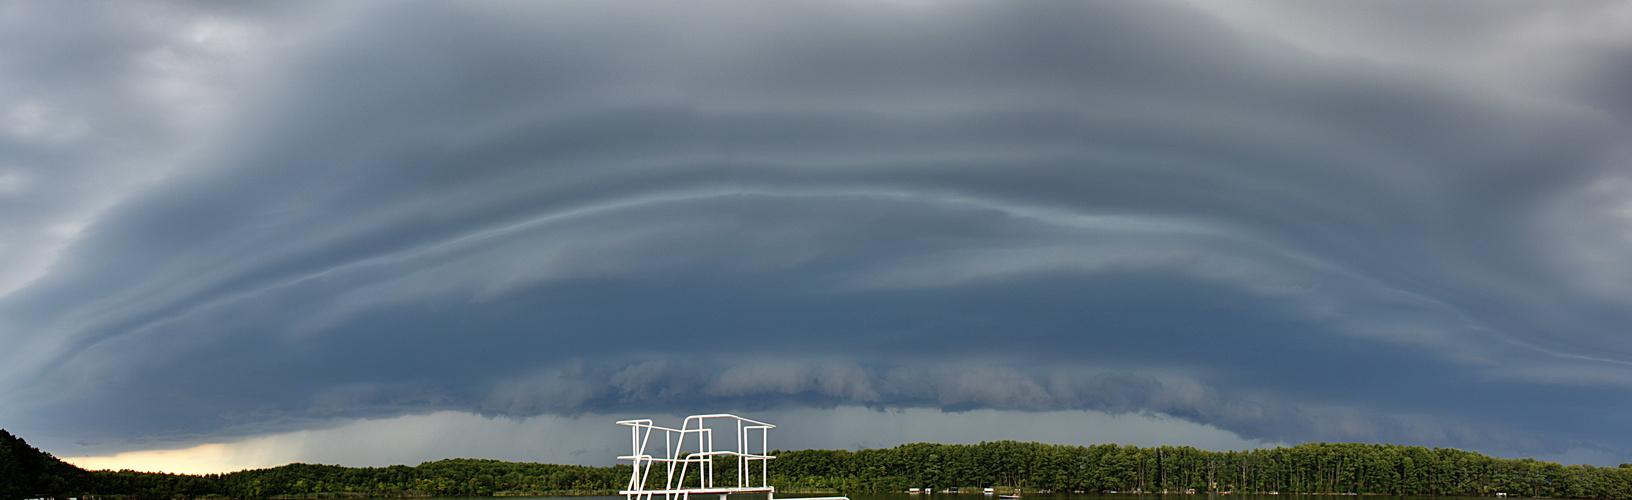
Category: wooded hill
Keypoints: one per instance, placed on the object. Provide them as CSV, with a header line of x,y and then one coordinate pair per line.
x,y
26,472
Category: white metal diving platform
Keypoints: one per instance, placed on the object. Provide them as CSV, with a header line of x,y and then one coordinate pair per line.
x,y
687,460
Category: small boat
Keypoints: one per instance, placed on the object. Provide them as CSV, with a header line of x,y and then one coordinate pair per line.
x,y
1009,497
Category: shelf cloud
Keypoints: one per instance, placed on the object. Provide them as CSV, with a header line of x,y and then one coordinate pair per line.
x,y
1350,221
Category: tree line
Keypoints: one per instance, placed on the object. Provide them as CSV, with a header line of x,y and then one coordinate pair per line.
x,y
1309,468
26,472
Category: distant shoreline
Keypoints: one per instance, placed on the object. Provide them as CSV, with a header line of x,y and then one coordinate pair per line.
x,y
1347,469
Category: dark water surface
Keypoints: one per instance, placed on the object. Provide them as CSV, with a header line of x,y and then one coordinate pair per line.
x,y
1107,496
1026,496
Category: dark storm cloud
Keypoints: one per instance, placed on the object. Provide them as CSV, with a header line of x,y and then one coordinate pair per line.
x,y
525,209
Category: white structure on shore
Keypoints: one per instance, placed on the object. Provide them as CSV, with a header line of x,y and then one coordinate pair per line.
x,y
691,448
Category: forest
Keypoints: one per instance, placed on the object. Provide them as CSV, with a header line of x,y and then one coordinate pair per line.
x,y
1308,468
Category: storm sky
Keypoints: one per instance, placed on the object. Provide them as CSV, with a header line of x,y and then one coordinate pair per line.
x,y
377,233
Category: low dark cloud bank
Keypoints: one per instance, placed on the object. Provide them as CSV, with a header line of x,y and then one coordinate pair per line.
x,y
222,222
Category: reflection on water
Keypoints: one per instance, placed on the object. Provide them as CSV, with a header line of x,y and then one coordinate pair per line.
x,y
1024,496
1103,496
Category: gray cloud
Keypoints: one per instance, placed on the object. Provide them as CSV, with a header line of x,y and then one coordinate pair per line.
x,y
779,383
1217,214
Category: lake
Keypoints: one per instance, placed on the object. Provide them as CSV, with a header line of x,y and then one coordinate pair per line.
x,y
1027,496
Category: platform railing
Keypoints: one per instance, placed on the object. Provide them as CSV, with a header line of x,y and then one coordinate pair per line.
x,y
693,443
